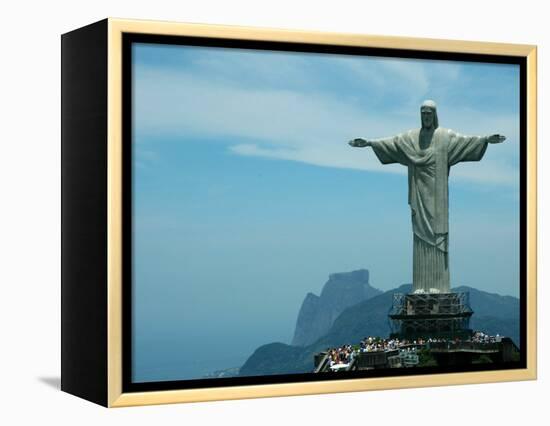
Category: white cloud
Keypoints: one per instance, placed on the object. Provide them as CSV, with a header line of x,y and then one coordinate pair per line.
x,y
312,155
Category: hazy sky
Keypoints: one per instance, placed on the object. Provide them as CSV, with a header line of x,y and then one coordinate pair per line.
x,y
247,196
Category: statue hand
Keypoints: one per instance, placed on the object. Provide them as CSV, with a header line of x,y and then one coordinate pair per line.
x,y
359,143
496,138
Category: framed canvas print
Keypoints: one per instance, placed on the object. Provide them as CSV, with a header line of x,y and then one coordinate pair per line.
x,y
254,212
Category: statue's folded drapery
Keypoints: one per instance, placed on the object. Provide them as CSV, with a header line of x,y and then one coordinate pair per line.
x,y
428,171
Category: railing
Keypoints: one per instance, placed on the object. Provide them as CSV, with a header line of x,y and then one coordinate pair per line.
x,y
430,304
464,346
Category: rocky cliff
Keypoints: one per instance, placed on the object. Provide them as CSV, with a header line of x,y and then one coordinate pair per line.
x,y
318,313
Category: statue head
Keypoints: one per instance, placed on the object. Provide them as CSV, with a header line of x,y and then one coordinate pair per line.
x,y
428,113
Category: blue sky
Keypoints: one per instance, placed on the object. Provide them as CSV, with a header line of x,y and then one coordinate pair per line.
x,y
247,196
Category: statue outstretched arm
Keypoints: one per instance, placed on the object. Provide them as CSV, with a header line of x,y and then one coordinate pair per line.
x,y
469,148
363,142
388,150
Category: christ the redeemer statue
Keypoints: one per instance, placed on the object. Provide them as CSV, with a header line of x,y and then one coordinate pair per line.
x,y
429,153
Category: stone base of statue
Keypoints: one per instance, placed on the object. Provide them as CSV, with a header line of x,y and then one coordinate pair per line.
x,y
430,315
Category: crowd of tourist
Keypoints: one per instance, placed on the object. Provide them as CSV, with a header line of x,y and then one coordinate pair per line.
x,y
480,337
477,337
375,344
341,357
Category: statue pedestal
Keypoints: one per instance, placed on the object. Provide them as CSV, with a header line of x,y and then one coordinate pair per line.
x,y
435,315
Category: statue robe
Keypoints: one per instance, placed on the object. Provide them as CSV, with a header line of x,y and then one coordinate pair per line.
x,y
428,171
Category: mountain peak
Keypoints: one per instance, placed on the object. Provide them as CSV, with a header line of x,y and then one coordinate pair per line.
x,y
358,275
317,314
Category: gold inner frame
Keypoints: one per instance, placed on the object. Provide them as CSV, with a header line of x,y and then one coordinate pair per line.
x,y
116,398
